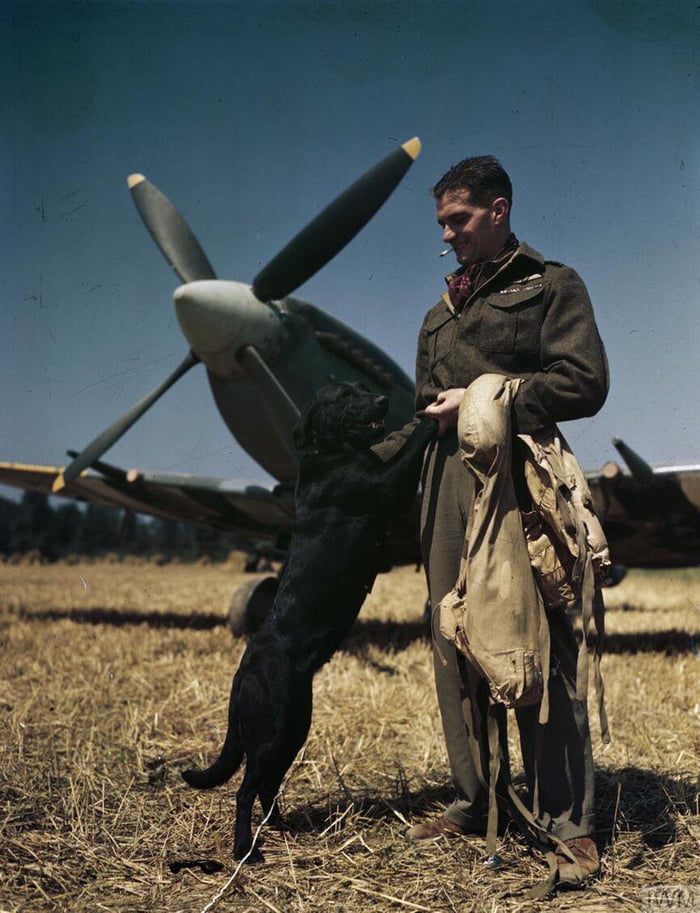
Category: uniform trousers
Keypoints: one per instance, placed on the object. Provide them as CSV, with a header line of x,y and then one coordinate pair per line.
x,y
561,750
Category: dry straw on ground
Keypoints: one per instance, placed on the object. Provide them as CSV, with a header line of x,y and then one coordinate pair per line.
x,y
115,677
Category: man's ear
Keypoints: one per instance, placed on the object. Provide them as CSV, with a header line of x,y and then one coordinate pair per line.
x,y
500,210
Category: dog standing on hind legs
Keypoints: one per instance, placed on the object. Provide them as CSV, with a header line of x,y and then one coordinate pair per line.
x,y
343,497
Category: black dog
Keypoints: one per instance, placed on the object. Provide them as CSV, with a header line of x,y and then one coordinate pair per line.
x,y
344,494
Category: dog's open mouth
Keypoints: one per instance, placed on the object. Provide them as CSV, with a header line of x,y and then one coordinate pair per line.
x,y
361,428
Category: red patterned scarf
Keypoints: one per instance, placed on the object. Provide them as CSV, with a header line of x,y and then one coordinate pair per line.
x,y
466,281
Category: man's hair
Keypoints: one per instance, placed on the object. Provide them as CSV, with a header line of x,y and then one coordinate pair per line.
x,y
482,176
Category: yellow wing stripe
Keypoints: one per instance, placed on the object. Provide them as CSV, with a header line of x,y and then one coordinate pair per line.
x,y
32,467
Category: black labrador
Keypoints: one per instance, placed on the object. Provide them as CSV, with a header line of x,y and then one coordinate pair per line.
x,y
343,496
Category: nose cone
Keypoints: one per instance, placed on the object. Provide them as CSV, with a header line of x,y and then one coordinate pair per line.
x,y
218,318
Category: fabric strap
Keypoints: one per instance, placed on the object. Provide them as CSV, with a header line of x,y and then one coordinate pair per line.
x,y
509,800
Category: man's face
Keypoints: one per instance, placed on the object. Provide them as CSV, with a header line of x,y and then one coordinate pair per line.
x,y
475,233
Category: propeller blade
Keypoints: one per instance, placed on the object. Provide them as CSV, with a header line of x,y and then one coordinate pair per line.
x,y
170,231
281,410
104,441
333,228
639,468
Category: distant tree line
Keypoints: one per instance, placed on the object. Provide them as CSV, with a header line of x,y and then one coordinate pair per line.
x,y
34,526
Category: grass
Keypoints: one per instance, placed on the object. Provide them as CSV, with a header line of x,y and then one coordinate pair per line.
x,y
115,677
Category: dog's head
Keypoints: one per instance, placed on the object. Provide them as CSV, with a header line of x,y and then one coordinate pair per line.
x,y
341,415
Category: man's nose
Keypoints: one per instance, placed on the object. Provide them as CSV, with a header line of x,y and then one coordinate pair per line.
x,y
447,234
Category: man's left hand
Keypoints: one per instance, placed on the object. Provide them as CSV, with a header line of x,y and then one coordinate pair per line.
x,y
446,408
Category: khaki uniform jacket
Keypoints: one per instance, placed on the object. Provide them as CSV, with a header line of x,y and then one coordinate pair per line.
x,y
533,320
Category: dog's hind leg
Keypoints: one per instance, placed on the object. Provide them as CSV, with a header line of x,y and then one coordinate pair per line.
x,y
270,807
268,763
287,748
243,836
270,788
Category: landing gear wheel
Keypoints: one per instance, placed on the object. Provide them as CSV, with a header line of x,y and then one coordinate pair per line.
x,y
250,604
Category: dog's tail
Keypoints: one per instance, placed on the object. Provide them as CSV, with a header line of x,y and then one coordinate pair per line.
x,y
222,769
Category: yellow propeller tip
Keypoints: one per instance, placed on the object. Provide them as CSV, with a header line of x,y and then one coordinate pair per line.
x,y
134,179
59,483
412,147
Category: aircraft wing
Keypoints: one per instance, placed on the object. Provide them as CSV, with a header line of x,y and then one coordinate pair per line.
x,y
258,519
651,517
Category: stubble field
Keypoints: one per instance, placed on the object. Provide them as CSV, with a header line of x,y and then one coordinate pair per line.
x,y
115,677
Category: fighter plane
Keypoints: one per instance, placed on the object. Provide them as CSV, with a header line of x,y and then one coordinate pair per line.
x,y
266,353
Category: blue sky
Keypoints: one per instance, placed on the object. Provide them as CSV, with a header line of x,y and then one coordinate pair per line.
x,y
251,116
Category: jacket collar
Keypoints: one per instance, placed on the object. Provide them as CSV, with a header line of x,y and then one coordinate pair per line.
x,y
524,253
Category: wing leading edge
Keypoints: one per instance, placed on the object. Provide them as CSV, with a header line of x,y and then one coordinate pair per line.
x,y
251,515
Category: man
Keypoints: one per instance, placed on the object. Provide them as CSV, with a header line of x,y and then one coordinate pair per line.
x,y
506,311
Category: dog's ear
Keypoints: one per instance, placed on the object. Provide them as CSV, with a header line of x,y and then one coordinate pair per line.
x,y
320,425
